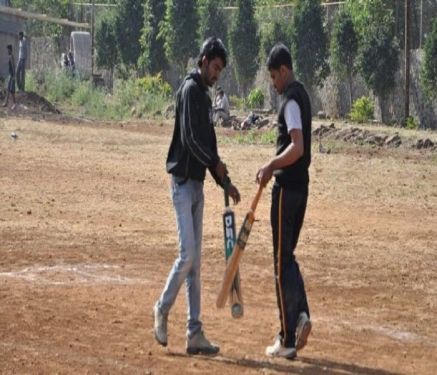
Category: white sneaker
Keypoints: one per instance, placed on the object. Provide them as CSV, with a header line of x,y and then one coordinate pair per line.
x,y
160,326
199,344
303,330
277,350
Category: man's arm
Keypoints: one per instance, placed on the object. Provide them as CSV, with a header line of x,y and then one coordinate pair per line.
x,y
290,155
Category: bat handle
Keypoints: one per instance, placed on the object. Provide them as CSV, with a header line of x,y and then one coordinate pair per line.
x,y
256,199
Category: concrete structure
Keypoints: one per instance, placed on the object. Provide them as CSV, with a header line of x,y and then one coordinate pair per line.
x,y
10,26
80,45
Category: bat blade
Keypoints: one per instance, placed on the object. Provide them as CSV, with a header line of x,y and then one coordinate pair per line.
x,y
235,296
237,253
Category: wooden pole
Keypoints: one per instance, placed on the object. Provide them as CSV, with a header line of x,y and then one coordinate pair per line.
x,y
407,57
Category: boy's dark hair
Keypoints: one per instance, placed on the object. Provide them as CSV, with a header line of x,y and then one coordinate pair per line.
x,y
9,47
279,55
21,33
211,48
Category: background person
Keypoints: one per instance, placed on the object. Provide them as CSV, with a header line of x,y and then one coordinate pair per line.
x,y
11,82
22,57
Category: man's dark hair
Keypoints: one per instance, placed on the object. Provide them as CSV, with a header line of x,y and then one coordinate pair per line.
x,y
9,47
21,33
211,48
279,55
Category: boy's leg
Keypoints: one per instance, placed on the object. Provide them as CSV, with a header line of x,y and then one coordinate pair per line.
x,y
289,208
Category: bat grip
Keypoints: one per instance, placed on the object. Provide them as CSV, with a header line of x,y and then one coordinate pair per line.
x,y
256,199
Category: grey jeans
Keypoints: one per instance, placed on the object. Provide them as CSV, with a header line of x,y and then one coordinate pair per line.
x,y
21,74
188,201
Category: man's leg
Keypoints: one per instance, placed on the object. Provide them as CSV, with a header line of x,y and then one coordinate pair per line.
x,y
20,75
23,76
183,204
193,284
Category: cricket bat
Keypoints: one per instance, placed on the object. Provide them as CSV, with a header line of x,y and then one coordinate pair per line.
x,y
237,253
235,296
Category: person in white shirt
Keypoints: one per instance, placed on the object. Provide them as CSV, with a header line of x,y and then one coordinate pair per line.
x,y
21,65
221,106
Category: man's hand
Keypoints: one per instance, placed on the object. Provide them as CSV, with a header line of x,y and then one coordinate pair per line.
x,y
221,170
264,175
234,193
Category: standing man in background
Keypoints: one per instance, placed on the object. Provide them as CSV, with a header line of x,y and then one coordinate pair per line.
x,y
193,149
22,57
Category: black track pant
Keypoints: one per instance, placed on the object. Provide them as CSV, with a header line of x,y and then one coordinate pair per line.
x,y
287,214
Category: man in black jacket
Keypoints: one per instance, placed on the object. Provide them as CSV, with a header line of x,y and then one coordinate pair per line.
x,y
289,200
193,149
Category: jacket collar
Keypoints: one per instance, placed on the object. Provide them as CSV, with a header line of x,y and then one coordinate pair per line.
x,y
195,75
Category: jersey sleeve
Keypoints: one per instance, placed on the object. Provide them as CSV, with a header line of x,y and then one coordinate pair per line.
x,y
292,115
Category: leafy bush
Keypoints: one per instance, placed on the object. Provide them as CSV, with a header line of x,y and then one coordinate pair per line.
x,y
255,98
411,123
154,85
237,102
31,81
133,97
362,109
59,86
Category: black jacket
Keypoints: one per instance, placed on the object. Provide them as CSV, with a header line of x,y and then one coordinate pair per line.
x,y
295,175
194,144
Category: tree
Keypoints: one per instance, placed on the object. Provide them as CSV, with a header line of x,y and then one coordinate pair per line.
x,y
106,44
310,43
244,43
212,21
128,25
272,33
378,55
179,32
344,49
429,69
152,57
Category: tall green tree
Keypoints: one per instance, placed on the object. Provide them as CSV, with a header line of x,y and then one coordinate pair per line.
x,y
106,44
429,69
378,54
212,21
272,33
128,25
244,43
179,32
152,57
344,49
310,43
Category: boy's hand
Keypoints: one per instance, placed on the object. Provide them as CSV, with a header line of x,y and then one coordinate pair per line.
x,y
264,175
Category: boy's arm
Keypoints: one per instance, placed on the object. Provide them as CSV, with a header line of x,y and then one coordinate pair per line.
x,y
290,155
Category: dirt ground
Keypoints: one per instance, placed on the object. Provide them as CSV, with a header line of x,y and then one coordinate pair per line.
x,y
87,237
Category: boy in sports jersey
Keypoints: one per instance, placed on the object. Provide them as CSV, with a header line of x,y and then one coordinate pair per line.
x,y
289,200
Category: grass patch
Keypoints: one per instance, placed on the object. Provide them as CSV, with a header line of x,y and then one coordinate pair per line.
x,y
132,98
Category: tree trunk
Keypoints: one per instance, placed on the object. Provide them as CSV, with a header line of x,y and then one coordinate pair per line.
x,y
351,95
